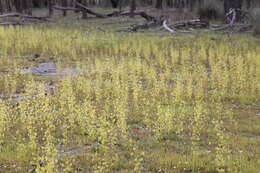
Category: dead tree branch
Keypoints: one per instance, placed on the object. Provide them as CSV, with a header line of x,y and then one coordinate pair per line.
x,y
192,23
14,23
229,25
154,23
23,16
171,30
142,26
113,14
65,8
86,9
140,13
80,9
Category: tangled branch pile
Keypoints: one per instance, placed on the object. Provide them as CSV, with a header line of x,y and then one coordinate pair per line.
x,y
151,21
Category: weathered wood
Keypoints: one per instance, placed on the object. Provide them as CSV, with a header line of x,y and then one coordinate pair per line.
x,y
156,22
143,26
14,23
113,14
233,4
159,4
1,7
23,16
140,13
233,12
10,15
171,30
191,23
65,8
81,8
64,3
132,8
50,9
86,9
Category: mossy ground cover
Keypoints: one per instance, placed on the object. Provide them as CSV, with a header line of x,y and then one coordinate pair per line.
x,y
144,102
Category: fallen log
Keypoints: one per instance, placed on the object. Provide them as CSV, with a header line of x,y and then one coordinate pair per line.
x,y
172,30
87,10
113,14
65,8
23,16
229,25
14,23
84,8
9,15
78,10
142,26
140,13
155,22
191,23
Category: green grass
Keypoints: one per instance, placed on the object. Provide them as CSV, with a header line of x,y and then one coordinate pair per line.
x,y
146,102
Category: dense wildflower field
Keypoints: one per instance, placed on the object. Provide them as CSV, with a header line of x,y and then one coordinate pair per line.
x,y
128,102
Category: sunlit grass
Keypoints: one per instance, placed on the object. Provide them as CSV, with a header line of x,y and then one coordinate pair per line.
x,y
143,102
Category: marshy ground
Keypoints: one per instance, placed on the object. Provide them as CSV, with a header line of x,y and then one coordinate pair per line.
x,y
76,96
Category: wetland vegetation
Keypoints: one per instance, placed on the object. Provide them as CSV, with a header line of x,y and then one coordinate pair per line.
x,y
77,98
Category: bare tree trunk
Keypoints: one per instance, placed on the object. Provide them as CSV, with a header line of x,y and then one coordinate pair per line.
x,y
18,6
29,7
114,3
235,4
200,3
24,6
169,3
132,8
64,3
120,5
248,4
178,4
1,7
8,5
159,4
84,13
42,3
191,4
49,4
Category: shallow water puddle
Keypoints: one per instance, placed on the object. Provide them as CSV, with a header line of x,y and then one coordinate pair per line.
x,y
50,69
47,69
